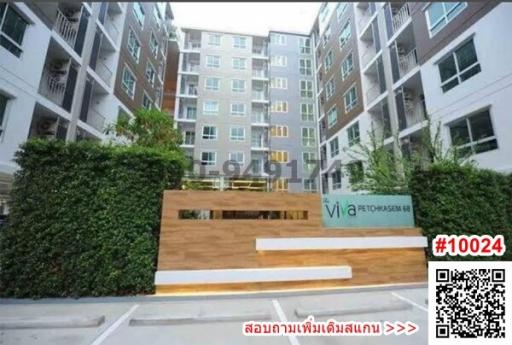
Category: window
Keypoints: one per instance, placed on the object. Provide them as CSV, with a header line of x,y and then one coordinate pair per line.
x,y
212,83
329,88
138,12
345,34
191,112
257,166
473,134
308,160
3,107
208,158
355,172
279,83
328,61
210,108
459,66
304,45
128,82
305,67
306,89
441,13
209,132
278,60
153,45
341,9
156,14
237,134
350,99
335,147
278,39
238,109
12,29
332,117
347,66
239,63
308,137
306,112
327,35
280,185
239,42
238,85
150,73
237,157
336,179
279,107
279,156
309,185
214,40
279,131
133,46
146,101
189,138
212,61
353,134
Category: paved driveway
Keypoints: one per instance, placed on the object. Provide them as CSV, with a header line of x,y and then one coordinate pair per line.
x,y
215,320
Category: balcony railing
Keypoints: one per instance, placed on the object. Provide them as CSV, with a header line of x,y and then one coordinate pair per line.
x,y
259,95
104,72
189,140
259,143
189,91
193,45
191,68
112,30
65,28
259,51
259,118
368,55
372,93
407,62
52,88
259,73
187,115
95,119
400,17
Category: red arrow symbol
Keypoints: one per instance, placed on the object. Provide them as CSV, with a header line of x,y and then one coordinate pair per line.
x,y
389,328
400,328
413,328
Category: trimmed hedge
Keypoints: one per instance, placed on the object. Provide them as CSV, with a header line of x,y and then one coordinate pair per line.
x,y
463,200
84,219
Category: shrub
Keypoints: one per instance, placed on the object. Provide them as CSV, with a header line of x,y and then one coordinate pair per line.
x,y
452,199
84,219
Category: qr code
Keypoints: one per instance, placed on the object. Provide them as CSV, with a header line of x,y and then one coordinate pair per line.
x,y
468,301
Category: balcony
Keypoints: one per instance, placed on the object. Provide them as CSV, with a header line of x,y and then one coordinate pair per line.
x,y
400,17
407,62
95,119
104,72
366,11
193,46
259,144
259,53
259,119
259,96
410,103
66,28
112,29
260,73
188,91
187,112
52,87
191,68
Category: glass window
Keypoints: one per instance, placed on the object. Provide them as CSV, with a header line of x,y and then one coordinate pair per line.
x,y
329,88
350,99
212,83
133,46
279,131
336,179
3,107
459,66
208,158
214,39
305,67
237,157
191,112
138,12
308,161
327,35
239,63
278,39
345,34
278,83
309,185
209,132
307,113
353,134
238,109
128,82
332,117
12,29
308,137
306,89
340,9
210,108
278,60
238,85
279,107
212,61
239,42
280,185
237,134
150,73
146,101
474,134
279,156
441,13
347,66
304,45
153,45
335,147
328,61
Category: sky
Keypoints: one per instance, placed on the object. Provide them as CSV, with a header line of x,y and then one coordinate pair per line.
x,y
245,17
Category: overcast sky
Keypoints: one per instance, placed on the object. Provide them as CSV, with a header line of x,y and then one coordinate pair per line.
x,y
245,17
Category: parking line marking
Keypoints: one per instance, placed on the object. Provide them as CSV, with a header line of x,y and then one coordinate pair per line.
x,y
409,301
114,326
282,317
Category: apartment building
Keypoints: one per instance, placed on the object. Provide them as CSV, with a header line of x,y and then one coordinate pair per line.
x,y
63,70
410,62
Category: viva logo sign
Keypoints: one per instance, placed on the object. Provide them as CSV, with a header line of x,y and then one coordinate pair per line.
x,y
337,210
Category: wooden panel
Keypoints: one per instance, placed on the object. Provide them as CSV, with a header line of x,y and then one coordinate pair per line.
x,y
223,244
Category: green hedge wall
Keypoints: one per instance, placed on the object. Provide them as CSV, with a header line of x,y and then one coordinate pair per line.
x,y
463,200
84,219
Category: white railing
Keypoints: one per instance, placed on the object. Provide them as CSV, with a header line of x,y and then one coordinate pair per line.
x,y
372,93
260,52
191,68
189,91
52,88
104,72
400,17
111,29
95,119
260,73
259,118
407,62
187,116
259,95
65,28
414,113
259,142
193,45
